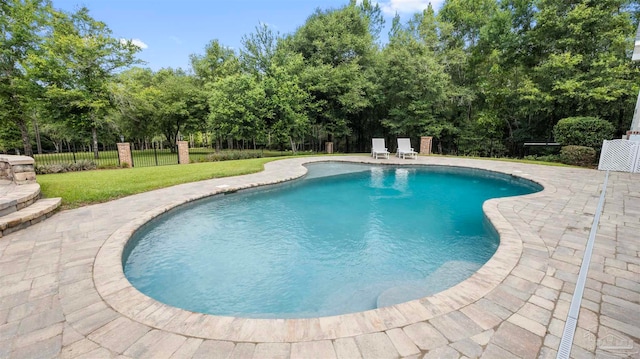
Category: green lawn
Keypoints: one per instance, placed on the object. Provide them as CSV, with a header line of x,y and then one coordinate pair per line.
x,y
83,188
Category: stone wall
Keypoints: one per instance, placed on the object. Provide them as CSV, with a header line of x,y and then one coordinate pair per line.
x,y
18,169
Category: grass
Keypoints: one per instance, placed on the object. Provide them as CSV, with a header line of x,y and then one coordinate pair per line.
x,y
83,188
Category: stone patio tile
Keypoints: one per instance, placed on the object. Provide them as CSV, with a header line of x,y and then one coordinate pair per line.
x,y
243,350
629,329
100,353
49,348
505,299
70,335
155,344
493,351
346,348
547,353
528,324
483,338
518,341
455,326
37,336
317,349
493,308
535,313
79,348
188,349
468,347
8,330
425,336
619,292
376,345
402,342
272,350
445,352
119,334
89,324
41,319
485,319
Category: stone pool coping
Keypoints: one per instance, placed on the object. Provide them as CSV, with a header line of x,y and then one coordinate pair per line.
x,y
118,293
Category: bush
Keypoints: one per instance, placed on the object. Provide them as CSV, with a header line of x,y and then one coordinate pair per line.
x,y
544,158
232,155
81,165
583,131
578,156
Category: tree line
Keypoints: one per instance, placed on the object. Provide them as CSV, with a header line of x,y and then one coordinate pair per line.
x,y
504,71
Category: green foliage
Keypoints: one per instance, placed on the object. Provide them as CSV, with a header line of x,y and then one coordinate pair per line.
x,y
232,155
583,131
81,165
578,156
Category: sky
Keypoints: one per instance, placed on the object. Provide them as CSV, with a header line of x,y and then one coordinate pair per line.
x,y
169,31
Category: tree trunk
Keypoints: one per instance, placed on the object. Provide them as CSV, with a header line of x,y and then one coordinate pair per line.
x,y
26,143
94,135
37,131
293,145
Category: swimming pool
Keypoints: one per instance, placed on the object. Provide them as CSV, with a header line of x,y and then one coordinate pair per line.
x,y
346,238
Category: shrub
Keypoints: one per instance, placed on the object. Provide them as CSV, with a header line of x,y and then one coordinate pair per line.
x,y
578,156
583,131
81,165
544,158
232,155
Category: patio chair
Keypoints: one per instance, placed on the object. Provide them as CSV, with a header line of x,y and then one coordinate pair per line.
x,y
378,148
405,150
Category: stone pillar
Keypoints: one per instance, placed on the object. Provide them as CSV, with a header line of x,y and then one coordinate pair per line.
x,y
19,169
183,152
328,147
425,145
124,154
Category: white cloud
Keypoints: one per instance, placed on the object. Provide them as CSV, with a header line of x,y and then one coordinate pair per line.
x,y
136,42
391,7
175,39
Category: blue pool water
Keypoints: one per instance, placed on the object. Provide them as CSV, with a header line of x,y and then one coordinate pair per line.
x,y
345,238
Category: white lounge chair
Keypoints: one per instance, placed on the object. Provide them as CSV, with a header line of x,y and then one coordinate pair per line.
x,y
405,150
378,148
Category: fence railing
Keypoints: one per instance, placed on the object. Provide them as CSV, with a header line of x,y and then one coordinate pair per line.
x,y
107,156
154,155
620,155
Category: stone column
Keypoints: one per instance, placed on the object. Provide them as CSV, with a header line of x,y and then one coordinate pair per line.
x,y
183,152
425,145
328,147
124,154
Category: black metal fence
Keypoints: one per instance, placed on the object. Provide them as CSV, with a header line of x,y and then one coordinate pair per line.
x,y
73,154
153,154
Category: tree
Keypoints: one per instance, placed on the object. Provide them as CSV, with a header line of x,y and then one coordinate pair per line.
x,y
237,105
287,102
178,103
415,88
82,59
22,23
258,50
337,47
136,102
582,67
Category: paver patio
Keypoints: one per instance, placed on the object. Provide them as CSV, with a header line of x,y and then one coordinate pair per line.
x,y
62,295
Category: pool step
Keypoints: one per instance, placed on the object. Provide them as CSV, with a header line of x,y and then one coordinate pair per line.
x,y
15,197
21,206
27,216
